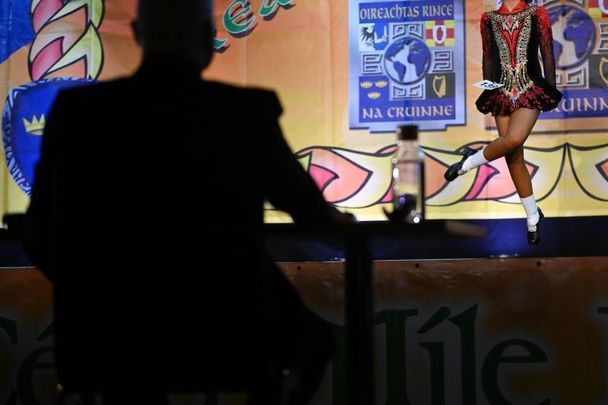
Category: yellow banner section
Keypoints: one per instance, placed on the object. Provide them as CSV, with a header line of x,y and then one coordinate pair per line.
x,y
307,51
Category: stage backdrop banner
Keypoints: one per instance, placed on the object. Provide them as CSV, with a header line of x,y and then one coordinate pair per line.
x,y
347,73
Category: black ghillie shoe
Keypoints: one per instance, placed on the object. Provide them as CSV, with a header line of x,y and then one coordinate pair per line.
x,y
452,171
534,236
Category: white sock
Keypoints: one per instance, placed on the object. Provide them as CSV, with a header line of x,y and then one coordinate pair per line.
x,y
473,161
529,204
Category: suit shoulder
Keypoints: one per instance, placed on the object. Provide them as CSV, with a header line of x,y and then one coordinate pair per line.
x,y
254,98
93,90
266,99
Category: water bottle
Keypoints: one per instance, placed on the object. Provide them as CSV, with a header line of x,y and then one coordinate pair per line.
x,y
408,177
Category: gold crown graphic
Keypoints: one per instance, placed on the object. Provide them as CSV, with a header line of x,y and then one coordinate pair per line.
x,y
367,85
373,95
381,84
36,126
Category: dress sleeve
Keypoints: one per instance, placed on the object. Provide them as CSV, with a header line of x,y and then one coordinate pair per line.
x,y
546,44
486,40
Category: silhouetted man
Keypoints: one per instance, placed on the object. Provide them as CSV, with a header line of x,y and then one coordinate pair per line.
x,y
147,215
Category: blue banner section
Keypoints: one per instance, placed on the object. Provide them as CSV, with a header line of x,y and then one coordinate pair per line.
x,y
406,64
410,110
406,11
580,43
15,27
580,104
376,105
23,121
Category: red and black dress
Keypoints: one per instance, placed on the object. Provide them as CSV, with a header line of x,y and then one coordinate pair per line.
x,y
511,40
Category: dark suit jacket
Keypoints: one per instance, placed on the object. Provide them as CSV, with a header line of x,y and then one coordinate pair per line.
x,y
147,212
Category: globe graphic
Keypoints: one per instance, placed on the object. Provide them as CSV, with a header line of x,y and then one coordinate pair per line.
x,y
407,60
573,35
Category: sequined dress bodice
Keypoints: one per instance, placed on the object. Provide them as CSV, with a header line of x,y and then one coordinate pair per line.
x,y
511,40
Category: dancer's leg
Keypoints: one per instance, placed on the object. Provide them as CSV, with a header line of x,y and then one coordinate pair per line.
x,y
502,124
515,160
513,131
520,125
519,173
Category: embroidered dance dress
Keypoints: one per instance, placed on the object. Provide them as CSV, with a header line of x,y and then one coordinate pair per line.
x,y
510,56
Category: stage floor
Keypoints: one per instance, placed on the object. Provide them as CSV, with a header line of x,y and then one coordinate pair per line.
x,y
560,237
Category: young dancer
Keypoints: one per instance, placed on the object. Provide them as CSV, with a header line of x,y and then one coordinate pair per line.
x,y
511,37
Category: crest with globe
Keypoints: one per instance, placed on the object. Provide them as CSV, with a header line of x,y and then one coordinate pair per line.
x,y
407,60
573,35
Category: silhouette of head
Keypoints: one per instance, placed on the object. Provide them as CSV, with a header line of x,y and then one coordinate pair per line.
x,y
182,28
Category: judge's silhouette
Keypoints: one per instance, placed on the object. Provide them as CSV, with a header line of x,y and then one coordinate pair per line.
x,y
146,214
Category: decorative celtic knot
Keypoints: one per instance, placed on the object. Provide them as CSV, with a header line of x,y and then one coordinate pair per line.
x,y
57,45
